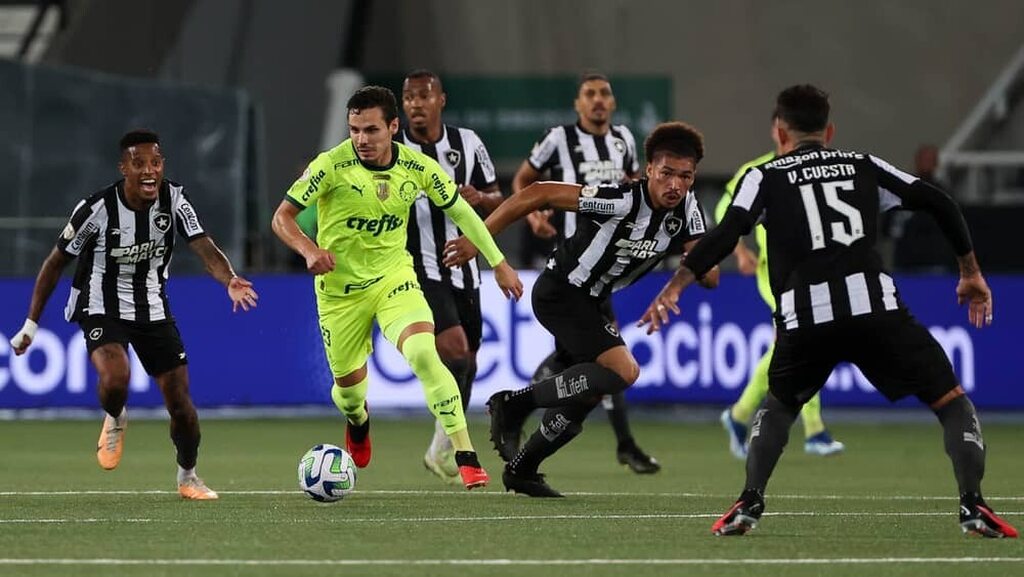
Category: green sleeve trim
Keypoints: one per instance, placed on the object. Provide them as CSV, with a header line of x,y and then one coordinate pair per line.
x,y
298,204
455,198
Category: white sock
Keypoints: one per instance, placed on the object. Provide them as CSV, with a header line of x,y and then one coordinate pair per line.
x,y
184,474
120,420
441,441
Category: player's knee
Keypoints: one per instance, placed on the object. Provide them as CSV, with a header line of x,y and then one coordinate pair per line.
x,y
631,372
627,371
114,379
181,409
420,352
452,345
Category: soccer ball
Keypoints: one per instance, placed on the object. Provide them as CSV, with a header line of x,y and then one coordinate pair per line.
x,y
327,473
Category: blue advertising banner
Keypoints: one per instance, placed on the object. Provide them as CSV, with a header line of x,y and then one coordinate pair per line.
x,y
272,356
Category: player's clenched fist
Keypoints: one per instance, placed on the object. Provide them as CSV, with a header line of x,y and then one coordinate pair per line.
x,y
320,261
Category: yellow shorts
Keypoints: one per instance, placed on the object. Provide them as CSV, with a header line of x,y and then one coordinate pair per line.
x,y
346,322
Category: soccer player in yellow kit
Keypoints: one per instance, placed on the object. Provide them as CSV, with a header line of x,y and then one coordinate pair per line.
x,y
735,419
363,189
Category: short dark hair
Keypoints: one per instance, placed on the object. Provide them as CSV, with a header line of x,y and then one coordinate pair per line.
x,y
678,138
804,108
588,76
139,136
424,73
375,97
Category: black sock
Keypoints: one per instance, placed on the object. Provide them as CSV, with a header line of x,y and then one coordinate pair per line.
x,y
964,444
769,433
466,459
522,400
582,383
551,365
616,406
359,432
558,426
459,369
186,436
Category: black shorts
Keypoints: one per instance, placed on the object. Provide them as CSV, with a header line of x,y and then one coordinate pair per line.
x,y
583,326
454,307
158,344
896,354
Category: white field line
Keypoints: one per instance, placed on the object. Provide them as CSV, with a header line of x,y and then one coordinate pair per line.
x,y
462,494
465,519
512,562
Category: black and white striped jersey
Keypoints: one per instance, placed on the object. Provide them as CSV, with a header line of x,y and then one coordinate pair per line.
x,y
620,236
125,254
820,208
572,154
461,154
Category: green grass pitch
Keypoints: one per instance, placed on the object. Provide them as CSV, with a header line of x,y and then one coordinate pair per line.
x,y
885,507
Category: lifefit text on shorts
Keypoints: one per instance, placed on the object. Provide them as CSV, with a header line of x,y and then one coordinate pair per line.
x,y
375,226
571,386
555,428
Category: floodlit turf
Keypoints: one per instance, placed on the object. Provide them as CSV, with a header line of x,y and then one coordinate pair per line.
x,y
886,507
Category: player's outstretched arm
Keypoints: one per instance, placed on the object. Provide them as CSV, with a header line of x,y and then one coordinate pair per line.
x,y
973,290
558,195
485,200
318,260
667,300
711,278
467,220
46,281
539,220
705,255
240,291
508,281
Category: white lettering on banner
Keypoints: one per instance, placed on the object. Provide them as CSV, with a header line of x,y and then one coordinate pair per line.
x,y
725,356
684,355
60,363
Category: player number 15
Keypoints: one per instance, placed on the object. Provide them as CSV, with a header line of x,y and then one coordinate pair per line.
x,y
844,233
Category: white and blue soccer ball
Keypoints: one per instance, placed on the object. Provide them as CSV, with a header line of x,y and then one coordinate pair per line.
x,y
327,473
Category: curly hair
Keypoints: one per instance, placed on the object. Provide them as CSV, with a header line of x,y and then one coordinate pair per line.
x,y
677,138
